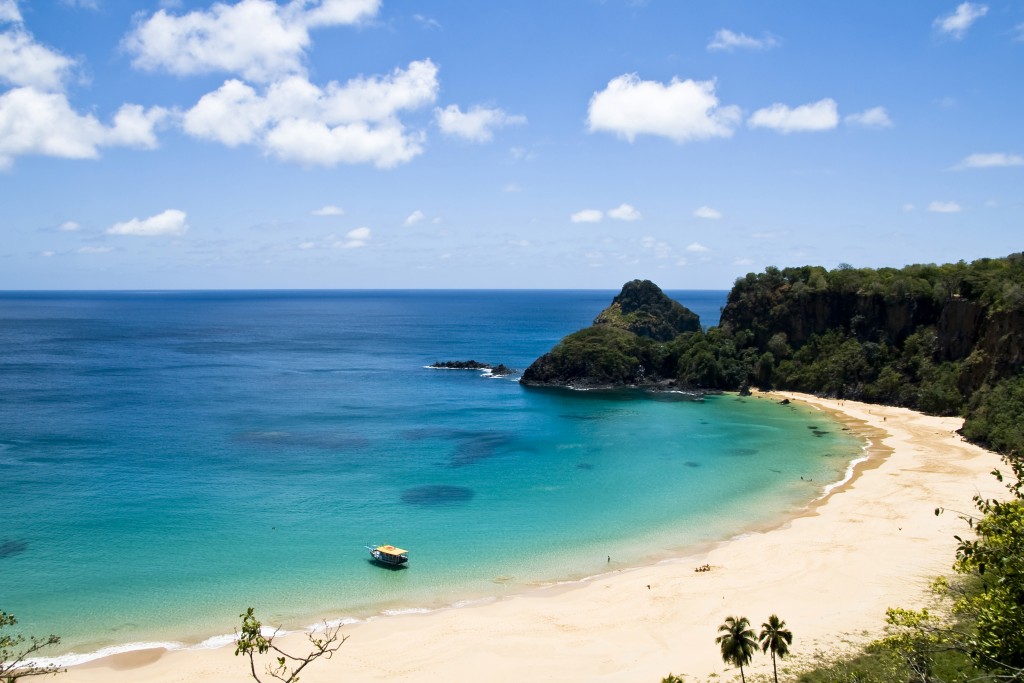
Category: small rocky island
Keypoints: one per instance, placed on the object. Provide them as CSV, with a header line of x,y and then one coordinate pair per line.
x,y
499,370
625,347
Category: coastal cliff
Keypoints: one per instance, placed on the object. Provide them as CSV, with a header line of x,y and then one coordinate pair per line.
x,y
943,339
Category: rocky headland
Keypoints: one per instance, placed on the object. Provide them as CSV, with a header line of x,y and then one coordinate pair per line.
x,y
943,339
623,347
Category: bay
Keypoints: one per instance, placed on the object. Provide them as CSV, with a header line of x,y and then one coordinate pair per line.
x,y
171,458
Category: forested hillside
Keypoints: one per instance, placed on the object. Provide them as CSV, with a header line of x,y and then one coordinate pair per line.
x,y
944,339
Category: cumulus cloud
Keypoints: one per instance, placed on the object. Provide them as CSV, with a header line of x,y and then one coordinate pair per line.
x,y
682,110
329,210
625,212
294,120
707,212
944,207
876,117
257,39
34,122
69,226
170,222
9,12
24,62
587,216
726,40
989,160
476,125
697,248
414,218
36,116
956,24
820,115
354,239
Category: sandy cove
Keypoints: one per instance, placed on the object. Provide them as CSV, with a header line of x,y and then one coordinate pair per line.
x,y
831,572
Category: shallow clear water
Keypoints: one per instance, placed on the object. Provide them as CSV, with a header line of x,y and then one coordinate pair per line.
x,y
169,459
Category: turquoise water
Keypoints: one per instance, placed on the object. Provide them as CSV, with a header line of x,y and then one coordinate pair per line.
x,y
169,459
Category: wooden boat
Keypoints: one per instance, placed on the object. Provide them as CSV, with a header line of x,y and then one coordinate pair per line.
x,y
389,555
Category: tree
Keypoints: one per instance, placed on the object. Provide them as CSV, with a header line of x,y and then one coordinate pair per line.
x,y
251,641
737,642
16,661
672,678
777,638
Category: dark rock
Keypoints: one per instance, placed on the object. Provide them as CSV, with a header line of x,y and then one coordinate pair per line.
x,y
499,370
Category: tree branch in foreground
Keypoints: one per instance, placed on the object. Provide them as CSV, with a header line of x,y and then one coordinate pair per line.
x,y
15,664
250,641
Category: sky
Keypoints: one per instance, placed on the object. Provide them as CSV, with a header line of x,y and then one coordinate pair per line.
x,y
569,144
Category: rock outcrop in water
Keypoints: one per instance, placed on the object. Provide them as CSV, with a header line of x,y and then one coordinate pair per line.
x,y
624,346
499,370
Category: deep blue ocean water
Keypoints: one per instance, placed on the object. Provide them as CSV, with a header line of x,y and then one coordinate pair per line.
x,y
168,459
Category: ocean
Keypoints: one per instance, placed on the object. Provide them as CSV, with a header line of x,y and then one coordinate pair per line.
x,y
169,459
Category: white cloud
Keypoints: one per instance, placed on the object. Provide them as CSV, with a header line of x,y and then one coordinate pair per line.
x,y
24,62
414,218
47,253
354,239
521,154
9,12
1019,28
991,160
908,207
307,245
512,187
707,212
329,210
682,110
625,212
477,124
724,39
34,122
94,250
662,250
427,22
820,115
957,23
944,207
587,216
697,248
170,222
354,122
258,39
876,117
69,226
744,262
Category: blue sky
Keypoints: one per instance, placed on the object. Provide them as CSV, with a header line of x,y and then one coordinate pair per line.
x,y
568,144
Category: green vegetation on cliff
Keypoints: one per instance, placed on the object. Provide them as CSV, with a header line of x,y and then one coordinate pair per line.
x,y
944,339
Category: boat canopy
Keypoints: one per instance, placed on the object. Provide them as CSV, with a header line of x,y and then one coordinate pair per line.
x,y
391,550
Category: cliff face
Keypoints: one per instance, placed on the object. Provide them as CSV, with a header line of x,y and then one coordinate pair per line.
x,y
924,336
622,348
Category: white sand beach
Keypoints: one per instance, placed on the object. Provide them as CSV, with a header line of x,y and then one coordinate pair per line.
x,y
830,572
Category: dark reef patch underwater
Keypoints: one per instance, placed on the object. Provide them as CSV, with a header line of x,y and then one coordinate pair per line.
x,y
435,495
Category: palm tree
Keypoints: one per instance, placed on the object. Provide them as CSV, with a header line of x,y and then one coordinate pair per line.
x,y
737,642
777,638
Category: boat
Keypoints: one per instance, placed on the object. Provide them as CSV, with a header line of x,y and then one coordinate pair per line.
x,y
388,555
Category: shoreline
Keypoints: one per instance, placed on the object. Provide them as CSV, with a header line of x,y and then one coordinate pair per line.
x,y
818,568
